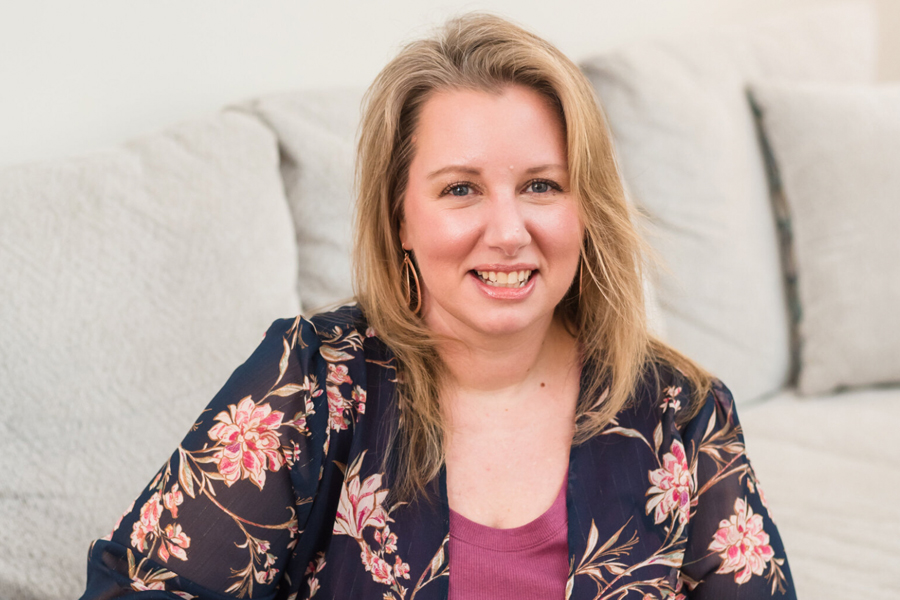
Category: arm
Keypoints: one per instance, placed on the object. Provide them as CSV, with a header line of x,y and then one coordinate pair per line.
x,y
221,517
733,547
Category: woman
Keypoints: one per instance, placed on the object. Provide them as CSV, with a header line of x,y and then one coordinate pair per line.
x,y
492,418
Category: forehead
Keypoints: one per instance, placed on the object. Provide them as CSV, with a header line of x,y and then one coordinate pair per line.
x,y
516,123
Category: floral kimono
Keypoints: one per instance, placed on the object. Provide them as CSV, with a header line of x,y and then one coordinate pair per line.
x,y
277,492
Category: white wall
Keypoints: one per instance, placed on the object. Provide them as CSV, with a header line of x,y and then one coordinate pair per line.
x,y
76,76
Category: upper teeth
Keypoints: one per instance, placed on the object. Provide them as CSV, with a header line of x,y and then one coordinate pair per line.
x,y
504,278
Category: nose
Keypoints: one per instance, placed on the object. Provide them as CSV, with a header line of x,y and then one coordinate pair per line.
x,y
505,228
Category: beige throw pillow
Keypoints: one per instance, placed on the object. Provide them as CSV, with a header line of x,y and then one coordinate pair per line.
x,y
837,153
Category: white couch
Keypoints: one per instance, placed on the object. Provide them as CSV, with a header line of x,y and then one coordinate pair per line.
x,y
134,281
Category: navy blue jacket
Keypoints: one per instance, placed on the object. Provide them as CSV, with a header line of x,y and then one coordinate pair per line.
x,y
277,492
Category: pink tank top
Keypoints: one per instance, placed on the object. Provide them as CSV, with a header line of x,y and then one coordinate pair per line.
x,y
530,562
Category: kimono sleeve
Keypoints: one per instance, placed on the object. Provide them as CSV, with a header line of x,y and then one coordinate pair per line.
x,y
220,519
733,547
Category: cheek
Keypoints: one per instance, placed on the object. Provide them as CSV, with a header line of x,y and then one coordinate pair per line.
x,y
559,232
440,239
447,241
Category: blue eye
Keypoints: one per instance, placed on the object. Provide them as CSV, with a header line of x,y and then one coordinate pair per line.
x,y
459,189
540,186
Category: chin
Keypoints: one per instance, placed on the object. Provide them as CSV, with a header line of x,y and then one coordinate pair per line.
x,y
488,316
507,321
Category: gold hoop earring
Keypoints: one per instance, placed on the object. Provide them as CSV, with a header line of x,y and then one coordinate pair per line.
x,y
408,268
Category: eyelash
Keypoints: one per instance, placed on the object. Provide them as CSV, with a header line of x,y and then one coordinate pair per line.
x,y
551,184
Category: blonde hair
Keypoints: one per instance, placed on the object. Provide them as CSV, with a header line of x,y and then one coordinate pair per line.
x,y
605,311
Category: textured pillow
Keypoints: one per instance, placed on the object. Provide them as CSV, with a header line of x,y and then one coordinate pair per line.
x,y
316,132
133,282
837,152
688,150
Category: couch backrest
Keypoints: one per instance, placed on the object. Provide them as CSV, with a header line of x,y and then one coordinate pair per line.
x,y
689,152
134,281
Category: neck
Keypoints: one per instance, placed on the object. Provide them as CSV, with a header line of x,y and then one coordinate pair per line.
x,y
491,365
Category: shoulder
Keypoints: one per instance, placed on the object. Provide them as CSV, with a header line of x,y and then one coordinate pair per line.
x,y
321,326
341,335
306,335
690,397
348,317
299,353
318,364
661,382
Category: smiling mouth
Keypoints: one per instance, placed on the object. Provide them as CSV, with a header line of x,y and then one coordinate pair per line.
x,y
511,279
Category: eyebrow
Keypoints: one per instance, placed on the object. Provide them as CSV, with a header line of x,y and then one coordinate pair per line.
x,y
473,171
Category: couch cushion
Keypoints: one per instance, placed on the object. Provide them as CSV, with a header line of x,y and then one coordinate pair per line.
x,y
689,153
831,473
836,149
134,281
316,130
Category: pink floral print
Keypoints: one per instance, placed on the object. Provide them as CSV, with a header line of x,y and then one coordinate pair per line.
x,y
337,374
337,405
362,506
742,543
359,400
670,398
339,348
315,566
672,486
249,437
172,500
148,523
172,540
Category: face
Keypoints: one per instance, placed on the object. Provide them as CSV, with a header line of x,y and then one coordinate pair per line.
x,y
488,213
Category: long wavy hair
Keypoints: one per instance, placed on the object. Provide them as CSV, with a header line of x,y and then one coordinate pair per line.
x,y
604,307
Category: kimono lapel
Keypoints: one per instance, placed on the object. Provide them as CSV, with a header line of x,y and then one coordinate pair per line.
x,y
615,546
405,551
